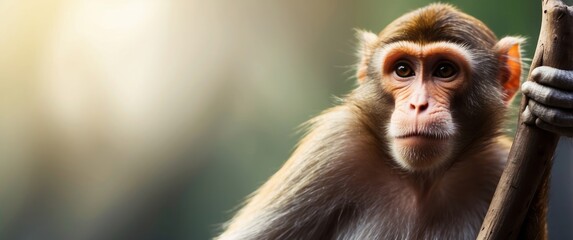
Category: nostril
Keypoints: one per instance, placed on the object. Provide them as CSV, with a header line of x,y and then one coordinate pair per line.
x,y
423,106
419,107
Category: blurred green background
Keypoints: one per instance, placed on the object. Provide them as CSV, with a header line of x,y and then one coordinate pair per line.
x,y
154,119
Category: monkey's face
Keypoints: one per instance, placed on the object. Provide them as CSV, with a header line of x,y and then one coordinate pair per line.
x,y
422,79
448,77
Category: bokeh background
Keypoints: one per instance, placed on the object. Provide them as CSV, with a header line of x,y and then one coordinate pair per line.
x,y
153,119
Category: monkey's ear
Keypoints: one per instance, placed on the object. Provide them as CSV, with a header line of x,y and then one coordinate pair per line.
x,y
509,52
367,40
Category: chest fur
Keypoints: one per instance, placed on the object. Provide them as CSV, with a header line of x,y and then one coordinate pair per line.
x,y
450,206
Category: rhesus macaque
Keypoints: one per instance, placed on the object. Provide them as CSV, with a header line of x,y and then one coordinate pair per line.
x,y
417,149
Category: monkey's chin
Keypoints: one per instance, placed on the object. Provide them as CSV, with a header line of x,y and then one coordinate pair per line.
x,y
418,153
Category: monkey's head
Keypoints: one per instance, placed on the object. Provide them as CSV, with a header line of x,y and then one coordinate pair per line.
x,y
446,80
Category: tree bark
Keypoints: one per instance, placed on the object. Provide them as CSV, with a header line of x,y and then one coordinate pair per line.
x,y
530,159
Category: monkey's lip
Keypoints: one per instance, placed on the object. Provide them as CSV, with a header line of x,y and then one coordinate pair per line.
x,y
421,139
425,136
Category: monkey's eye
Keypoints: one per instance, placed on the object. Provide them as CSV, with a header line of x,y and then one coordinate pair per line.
x,y
403,70
445,70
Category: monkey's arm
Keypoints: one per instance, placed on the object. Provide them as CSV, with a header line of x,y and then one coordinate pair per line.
x,y
551,100
309,194
284,208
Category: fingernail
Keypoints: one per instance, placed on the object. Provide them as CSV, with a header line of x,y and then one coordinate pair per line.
x,y
525,86
527,117
535,73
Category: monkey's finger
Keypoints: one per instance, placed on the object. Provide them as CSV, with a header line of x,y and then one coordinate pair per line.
x,y
547,95
527,117
562,79
564,131
554,116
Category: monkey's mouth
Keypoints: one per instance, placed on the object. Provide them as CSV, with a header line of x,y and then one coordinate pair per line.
x,y
424,135
421,140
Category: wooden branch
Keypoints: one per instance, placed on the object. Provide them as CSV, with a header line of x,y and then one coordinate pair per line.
x,y
531,154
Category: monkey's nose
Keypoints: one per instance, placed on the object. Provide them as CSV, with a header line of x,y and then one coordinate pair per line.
x,y
419,106
419,100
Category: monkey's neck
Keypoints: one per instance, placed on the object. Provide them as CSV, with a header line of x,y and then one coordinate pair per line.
x,y
473,174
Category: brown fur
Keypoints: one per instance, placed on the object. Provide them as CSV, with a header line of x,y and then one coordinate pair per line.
x,y
342,181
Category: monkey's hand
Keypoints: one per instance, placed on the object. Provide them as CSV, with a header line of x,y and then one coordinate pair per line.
x,y
550,104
